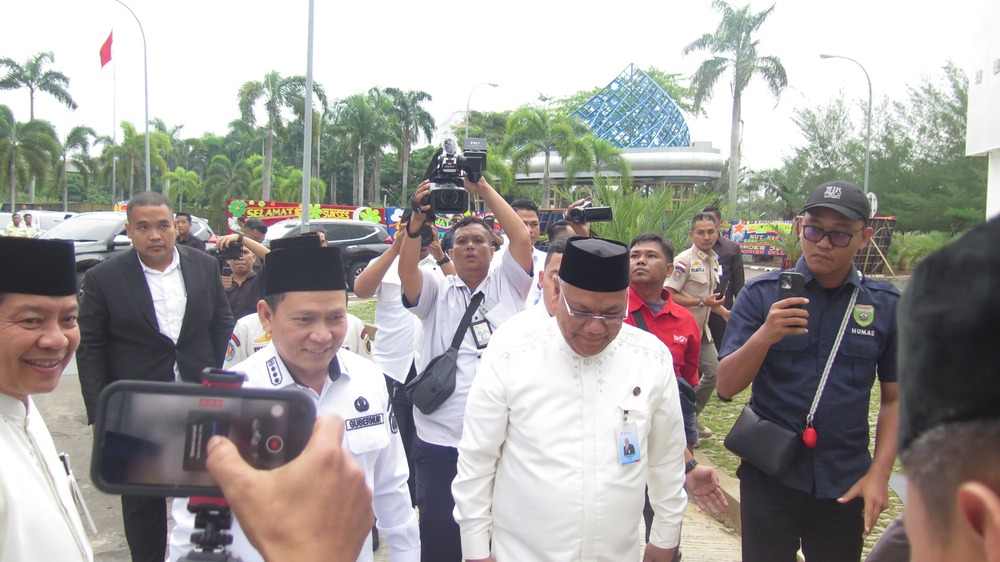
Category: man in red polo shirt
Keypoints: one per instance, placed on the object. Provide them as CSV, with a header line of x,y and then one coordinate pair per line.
x,y
652,261
650,307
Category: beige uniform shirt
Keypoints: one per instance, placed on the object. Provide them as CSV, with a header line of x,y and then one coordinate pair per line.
x,y
696,275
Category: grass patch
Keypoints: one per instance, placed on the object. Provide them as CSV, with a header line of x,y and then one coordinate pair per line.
x,y
720,416
365,310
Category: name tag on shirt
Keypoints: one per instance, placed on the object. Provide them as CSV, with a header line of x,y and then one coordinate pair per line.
x,y
628,444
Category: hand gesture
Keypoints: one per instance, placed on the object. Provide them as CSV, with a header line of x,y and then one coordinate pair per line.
x,y
702,485
786,317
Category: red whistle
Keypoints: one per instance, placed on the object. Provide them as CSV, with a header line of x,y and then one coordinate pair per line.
x,y
809,437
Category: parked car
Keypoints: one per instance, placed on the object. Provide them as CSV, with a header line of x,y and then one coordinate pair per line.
x,y
100,235
359,241
44,220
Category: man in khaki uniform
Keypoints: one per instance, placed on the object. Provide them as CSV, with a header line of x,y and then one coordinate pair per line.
x,y
693,285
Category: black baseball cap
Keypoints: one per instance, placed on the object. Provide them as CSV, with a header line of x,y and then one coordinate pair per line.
x,y
841,196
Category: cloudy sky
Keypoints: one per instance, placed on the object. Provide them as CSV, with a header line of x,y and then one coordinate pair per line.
x,y
201,51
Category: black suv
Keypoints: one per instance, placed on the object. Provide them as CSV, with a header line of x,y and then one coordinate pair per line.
x,y
359,241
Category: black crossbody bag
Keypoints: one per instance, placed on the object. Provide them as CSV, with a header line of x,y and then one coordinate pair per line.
x,y
769,446
429,389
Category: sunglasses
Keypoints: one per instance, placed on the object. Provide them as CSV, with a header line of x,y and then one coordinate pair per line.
x,y
837,238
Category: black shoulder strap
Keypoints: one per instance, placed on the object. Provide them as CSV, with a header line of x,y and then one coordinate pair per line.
x,y
640,322
467,319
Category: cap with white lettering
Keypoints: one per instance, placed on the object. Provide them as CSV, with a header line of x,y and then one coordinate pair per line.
x,y
841,196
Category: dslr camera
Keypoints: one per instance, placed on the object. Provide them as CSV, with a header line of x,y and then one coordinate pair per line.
x,y
448,195
586,212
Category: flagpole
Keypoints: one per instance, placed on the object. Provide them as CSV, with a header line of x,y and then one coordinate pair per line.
x,y
145,71
114,130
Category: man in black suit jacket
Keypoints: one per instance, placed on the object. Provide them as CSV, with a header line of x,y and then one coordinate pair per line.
x,y
157,312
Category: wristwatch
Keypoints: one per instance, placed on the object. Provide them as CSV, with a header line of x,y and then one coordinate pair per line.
x,y
701,303
443,261
689,466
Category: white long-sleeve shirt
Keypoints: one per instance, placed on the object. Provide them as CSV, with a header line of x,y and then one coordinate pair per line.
x,y
539,461
359,392
38,519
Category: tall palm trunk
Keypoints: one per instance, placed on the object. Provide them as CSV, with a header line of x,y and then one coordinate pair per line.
x,y
65,187
545,180
131,180
13,188
359,178
268,153
734,152
373,187
333,187
404,159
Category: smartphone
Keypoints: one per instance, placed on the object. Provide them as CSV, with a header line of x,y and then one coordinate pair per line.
x,y
150,438
791,284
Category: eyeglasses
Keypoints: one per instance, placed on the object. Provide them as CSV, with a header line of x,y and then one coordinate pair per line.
x,y
585,317
837,239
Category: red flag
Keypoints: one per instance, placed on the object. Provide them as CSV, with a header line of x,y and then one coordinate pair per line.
x,y
106,51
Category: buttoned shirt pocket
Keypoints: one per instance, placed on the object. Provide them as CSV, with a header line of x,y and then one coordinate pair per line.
x,y
862,351
367,433
789,356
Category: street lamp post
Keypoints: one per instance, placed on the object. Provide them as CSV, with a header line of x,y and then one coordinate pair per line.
x,y
868,134
470,101
145,72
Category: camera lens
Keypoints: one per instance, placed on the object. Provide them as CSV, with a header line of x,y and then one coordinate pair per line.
x,y
450,198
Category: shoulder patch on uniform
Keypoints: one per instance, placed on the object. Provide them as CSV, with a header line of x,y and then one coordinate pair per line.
x,y
678,274
274,371
864,314
679,267
234,342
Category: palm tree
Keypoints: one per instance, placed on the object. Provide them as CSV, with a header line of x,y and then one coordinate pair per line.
x,y
733,47
355,121
78,142
26,149
277,93
225,180
33,76
131,151
182,181
531,130
411,119
385,133
598,156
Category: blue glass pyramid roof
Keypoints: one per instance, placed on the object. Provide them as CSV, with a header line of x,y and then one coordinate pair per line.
x,y
633,111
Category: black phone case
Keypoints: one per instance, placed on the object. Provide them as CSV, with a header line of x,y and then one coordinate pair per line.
x,y
107,443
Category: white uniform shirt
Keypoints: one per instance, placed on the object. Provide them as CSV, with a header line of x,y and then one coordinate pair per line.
x,y
441,306
398,333
169,296
38,519
537,264
359,393
249,337
539,464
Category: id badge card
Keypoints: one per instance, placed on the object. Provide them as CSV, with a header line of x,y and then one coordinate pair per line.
x,y
627,439
482,331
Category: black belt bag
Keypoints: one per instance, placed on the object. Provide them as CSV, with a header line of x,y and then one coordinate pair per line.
x,y
437,381
762,443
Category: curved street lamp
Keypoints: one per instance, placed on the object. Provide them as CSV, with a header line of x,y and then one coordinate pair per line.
x,y
868,135
470,101
145,72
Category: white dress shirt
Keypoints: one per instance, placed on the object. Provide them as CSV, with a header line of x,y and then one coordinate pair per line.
x,y
441,306
169,296
376,448
538,265
38,519
398,333
539,465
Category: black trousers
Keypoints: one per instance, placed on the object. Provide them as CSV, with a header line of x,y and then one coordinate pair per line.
x,y
402,409
776,519
440,537
145,527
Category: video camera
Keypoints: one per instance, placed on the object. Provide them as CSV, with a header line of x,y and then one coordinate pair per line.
x,y
447,195
588,213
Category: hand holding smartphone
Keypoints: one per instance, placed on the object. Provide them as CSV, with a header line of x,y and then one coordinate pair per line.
x,y
150,437
791,284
